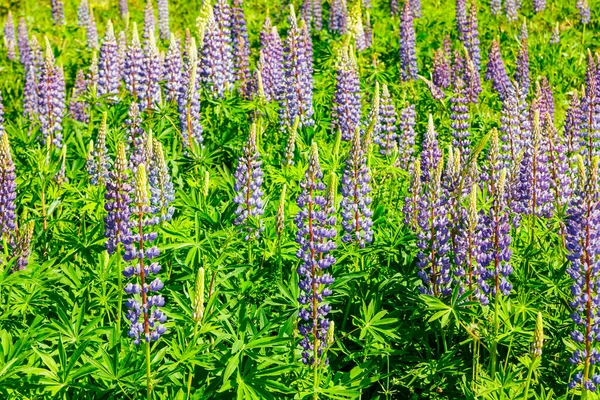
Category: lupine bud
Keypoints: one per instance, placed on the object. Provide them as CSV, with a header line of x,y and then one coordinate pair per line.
x,y
58,13
163,19
346,101
408,54
280,217
198,305
51,100
23,43
99,162
77,104
538,336
22,248
109,78
149,20
248,188
406,137
83,13
10,39
316,231
188,104
290,146
385,128
241,50
356,27
92,32
162,193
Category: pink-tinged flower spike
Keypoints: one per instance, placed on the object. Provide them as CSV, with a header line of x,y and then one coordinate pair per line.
x,y
163,19
134,73
584,11
543,101
109,79
8,194
30,94
298,68
496,72
338,16
430,152
188,104
51,100
92,32
83,13
316,230
271,54
462,26
23,43
356,212
408,54
10,40
241,50
173,71
346,101
248,189
153,73
144,309
149,20
385,129
136,137
98,163
58,12
77,105
406,137
124,9
573,122
440,75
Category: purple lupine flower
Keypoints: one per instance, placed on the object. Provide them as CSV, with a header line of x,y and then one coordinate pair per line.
x,y
162,193
149,20
153,72
144,309
408,55
430,153
555,36
510,9
163,19
9,37
356,27
109,79
8,194
558,162
98,163
117,224
584,11
22,246
406,138
522,75
188,104
523,32
338,17
77,108
216,61
462,26
590,106
36,58
30,94
136,136
583,223
539,5
346,101
440,75
92,32
494,252
241,50
355,206
272,62
248,189
123,8
51,99
83,13
496,72
121,53
415,190
23,43
394,7
173,71
459,114
573,123
532,195
416,8
495,7
134,73
58,12
543,102
433,234
472,37
510,128
316,231
385,129
312,13
298,86
93,72
368,30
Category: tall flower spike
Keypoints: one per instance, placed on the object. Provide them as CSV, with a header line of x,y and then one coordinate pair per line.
x,y
394,8
198,305
22,248
58,12
590,105
461,20
346,101
510,9
83,13
496,71
144,309
124,9
10,40
241,50
109,78
430,153
117,223
385,128
558,165
316,231
188,105
495,7
408,54
248,188
584,11
271,54
573,122
522,75
121,52
338,17
23,43
441,70
459,115
356,212
99,162
8,194
133,69
173,71
77,105
162,193
136,136
472,37
30,94
539,5
406,137
356,27
36,58
153,73
149,20
411,203
51,100
92,31
163,19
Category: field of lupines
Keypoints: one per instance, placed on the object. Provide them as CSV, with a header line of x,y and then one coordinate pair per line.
x,y
317,200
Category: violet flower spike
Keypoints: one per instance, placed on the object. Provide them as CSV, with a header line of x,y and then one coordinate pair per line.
x,y
149,20
134,73
58,12
77,104
83,13
162,192
51,99
338,17
163,19
271,60
10,40
241,50
9,188
136,137
406,137
23,43
385,128
109,78
408,55
92,32
430,153
173,71
117,223
346,101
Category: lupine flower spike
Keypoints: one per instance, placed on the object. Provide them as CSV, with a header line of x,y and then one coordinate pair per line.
x,y
83,13
346,101
77,105
163,19
58,12
23,44
117,223
99,161
162,193
189,111
92,32
198,305
133,69
173,71
109,78
385,129
408,54
149,20
10,40
51,100
8,194
241,49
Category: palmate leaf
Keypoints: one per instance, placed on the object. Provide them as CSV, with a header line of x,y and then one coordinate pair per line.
x,y
374,324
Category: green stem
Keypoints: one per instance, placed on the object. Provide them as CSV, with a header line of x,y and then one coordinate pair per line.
x,y
120,289
250,258
189,383
495,340
529,373
148,379
316,382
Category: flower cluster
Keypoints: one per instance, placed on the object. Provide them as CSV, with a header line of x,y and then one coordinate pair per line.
x,y
109,78
162,192
51,99
271,62
117,223
346,101
408,54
